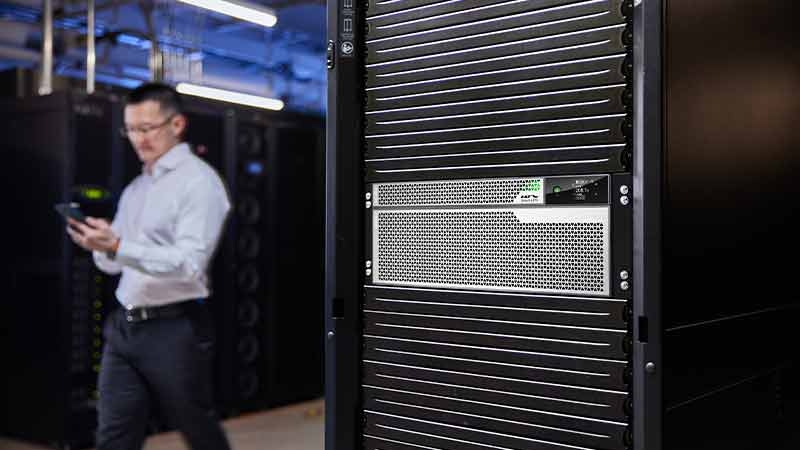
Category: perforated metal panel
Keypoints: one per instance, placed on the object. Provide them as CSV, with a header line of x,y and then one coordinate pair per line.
x,y
496,191
514,247
549,250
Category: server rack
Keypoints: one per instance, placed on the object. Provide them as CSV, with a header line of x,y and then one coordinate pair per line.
x,y
56,148
276,231
298,373
729,377
528,231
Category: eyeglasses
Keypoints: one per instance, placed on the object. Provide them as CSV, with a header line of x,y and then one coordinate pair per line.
x,y
143,130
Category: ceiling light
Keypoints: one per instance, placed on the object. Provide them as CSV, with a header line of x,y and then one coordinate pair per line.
x,y
230,96
246,11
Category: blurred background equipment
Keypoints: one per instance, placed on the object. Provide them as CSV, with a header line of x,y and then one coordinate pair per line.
x,y
57,148
253,76
266,279
175,42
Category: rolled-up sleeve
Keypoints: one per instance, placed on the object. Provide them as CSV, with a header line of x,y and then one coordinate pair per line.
x,y
202,210
106,264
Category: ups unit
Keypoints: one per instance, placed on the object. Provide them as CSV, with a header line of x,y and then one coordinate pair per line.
x,y
57,148
556,224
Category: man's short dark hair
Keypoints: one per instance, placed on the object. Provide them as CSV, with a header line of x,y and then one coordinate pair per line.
x,y
167,98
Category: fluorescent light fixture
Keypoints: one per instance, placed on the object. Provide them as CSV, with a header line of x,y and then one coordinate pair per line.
x,y
229,96
246,11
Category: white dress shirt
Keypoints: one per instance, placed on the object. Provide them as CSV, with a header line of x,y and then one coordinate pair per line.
x,y
169,222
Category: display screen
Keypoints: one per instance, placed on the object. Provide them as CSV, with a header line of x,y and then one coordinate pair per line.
x,y
576,190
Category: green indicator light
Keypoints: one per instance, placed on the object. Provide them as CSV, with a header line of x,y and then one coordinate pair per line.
x,y
93,194
556,189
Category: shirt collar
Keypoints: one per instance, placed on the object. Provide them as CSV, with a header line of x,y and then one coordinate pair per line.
x,y
172,159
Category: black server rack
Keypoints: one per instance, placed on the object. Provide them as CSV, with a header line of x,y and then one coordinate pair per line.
x,y
299,237
250,243
722,127
276,245
56,148
557,223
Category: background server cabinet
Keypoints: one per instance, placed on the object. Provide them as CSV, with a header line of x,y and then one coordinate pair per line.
x,y
275,258
557,224
58,148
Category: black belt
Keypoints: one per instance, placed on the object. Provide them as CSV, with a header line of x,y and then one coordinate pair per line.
x,y
142,313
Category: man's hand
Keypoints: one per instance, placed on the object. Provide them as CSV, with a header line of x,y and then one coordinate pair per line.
x,y
95,234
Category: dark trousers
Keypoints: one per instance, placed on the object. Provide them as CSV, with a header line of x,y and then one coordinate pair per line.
x,y
162,363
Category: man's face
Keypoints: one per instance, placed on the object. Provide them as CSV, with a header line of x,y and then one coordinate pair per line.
x,y
152,132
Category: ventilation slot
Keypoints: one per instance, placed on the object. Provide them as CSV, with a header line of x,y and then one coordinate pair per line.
x,y
492,87
498,370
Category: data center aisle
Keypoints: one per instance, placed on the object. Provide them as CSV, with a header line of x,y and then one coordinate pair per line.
x,y
296,427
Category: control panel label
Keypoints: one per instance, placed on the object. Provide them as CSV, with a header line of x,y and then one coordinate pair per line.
x,y
532,193
564,190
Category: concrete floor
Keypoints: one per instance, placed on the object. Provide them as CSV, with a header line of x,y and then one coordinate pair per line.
x,y
296,427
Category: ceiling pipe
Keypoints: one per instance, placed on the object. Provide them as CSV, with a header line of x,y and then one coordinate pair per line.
x,y
155,58
15,53
91,54
75,14
46,78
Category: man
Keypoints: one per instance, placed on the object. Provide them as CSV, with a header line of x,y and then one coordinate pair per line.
x,y
159,346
